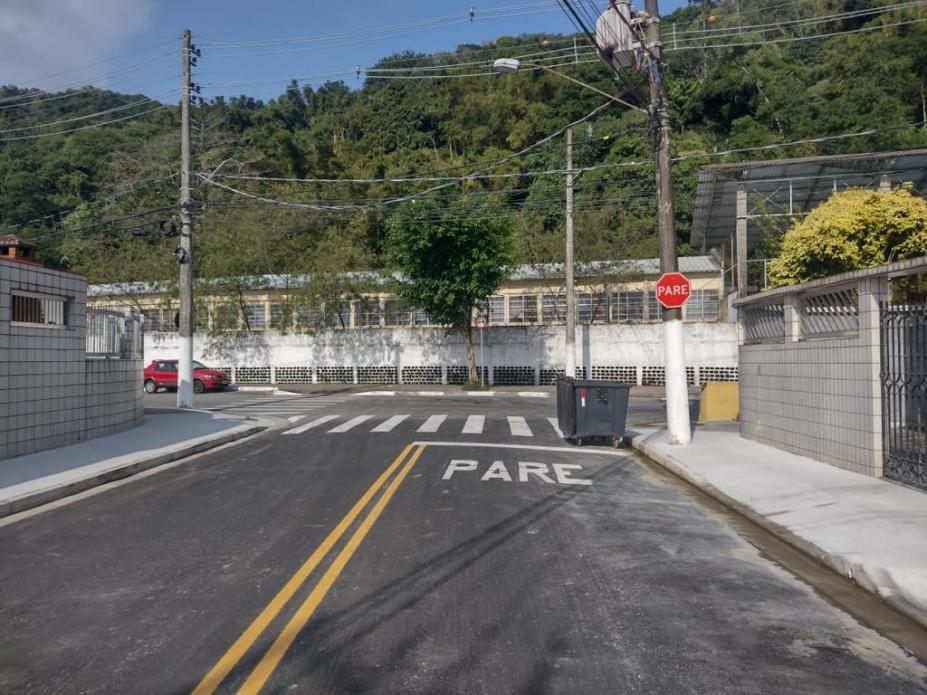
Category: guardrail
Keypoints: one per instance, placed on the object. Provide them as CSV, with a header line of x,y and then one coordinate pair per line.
x,y
112,334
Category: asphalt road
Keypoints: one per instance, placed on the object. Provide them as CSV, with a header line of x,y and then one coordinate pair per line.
x,y
409,561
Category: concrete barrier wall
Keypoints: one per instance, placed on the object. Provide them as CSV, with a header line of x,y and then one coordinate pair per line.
x,y
513,354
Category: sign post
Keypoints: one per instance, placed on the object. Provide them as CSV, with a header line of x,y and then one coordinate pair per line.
x,y
673,290
481,324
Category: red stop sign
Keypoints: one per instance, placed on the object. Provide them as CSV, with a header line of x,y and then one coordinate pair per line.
x,y
673,290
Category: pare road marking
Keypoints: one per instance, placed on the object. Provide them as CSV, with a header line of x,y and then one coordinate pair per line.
x,y
552,474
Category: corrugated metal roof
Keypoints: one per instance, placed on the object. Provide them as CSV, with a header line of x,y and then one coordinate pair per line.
x,y
644,267
791,187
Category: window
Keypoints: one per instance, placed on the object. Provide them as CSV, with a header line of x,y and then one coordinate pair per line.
x,y
702,306
308,316
367,313
523,308
225,317
341,315
152,319
554,308
497,309
256,316
627,307
654,308
592,308
38,310
166,367
421,318
280,315
395,313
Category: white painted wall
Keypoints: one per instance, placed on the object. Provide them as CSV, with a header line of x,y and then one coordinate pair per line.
x,y
707,345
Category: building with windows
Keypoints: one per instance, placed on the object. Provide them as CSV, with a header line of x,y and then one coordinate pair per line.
x,y
272,331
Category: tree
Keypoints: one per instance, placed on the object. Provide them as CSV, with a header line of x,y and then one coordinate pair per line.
x,y
451,258
852,230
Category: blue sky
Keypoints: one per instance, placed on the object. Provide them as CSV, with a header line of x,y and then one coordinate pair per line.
x,y
43,37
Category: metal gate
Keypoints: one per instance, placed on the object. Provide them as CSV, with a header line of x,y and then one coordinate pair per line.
x,y
904,392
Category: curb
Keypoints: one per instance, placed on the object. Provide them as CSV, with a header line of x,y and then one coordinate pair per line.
x,y
129,468
870,579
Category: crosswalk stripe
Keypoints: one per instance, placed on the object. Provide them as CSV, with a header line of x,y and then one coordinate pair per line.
x,y
389,424
297,418
309,425
350,424
519,426
432,423
474,424
556,425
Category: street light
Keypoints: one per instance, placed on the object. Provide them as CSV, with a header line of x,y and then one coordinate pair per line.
x,y
677,398
512,65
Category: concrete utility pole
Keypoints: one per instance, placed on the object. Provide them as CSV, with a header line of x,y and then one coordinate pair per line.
x,y
568,269
677,393
185,254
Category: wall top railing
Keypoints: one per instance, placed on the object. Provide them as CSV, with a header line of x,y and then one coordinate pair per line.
x,y
889,270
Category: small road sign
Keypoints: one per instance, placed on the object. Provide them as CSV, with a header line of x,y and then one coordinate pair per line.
x,y
673,290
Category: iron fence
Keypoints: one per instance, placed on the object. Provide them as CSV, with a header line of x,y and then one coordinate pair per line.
x,y
903,330
112,334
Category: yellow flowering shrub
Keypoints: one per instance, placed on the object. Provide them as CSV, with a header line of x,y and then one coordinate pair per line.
x,y
852,230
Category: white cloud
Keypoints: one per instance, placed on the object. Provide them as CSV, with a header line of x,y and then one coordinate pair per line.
x,y
41,37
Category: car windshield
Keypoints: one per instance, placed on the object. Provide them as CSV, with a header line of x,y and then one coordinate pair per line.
x,y
199,365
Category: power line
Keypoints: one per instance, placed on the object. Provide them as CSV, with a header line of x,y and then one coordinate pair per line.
x,y
141,102
85,127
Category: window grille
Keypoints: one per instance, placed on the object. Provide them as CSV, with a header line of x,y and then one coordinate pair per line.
x,y
554,308
830,313
627,307
395,313
703,305
256,316
38,310
654,308
523,308
367,313
497,310
592,308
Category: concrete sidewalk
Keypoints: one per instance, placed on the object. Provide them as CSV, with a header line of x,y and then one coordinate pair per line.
x,y
868,529
165,435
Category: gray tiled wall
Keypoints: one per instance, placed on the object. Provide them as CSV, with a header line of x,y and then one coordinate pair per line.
x,y
819,398
50,394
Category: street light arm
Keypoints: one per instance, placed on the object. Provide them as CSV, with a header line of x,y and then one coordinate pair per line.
x,y
588,86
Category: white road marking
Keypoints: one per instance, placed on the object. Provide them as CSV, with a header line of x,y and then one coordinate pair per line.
x,y
350,424
481,393
532,394
432,423
389,424
430,393
309,425
519,426
376,393
556,425
296,418
528,447
474,424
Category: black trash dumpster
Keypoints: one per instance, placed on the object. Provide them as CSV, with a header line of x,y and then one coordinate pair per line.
x,y
589,410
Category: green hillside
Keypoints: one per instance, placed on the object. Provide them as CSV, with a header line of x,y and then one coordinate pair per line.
x,y
92,198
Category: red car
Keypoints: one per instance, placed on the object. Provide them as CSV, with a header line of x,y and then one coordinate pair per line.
x,y
163,374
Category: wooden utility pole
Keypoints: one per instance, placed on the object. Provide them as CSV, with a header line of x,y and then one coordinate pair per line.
x,y
677,394
568,265
185,252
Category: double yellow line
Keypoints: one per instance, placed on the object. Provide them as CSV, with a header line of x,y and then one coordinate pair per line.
x,y
297,622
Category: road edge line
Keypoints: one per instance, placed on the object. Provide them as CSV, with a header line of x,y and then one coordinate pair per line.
x,y
38,498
